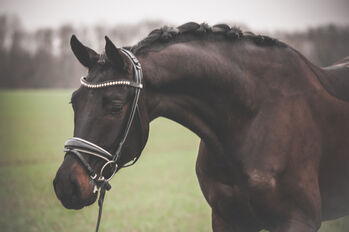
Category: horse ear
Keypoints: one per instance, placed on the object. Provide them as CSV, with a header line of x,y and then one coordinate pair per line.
x,y
114,54
85,55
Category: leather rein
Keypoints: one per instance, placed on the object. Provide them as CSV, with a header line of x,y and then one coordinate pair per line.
x,y
76,146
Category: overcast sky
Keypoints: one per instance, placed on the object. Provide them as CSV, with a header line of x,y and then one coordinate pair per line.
x,y
266,15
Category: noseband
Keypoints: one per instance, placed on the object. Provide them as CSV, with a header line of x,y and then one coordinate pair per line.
x,y
77,146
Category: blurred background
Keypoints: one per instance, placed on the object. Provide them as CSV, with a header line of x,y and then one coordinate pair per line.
x,y
34,34
38,73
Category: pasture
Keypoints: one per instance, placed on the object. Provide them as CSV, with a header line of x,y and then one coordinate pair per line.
x,y
159,193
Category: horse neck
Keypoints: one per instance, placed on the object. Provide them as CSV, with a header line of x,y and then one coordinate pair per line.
x,y
192,85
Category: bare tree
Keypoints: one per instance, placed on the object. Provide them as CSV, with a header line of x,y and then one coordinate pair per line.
x,y
44,58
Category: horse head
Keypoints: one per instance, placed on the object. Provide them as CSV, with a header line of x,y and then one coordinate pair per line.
x,y
110,123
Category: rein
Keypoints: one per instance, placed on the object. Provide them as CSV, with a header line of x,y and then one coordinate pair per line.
x,y
76,146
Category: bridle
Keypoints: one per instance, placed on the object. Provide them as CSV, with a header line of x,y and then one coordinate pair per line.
x,y
77,146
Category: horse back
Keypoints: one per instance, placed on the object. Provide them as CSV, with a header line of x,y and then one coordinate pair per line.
x,y
335,79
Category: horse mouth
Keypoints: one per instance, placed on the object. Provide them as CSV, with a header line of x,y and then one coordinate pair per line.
x,y
75,203
72,204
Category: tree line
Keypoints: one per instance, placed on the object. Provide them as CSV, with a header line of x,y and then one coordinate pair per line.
x,y
43,59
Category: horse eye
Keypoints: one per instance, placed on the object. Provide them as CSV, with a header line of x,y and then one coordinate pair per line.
x,y
116,109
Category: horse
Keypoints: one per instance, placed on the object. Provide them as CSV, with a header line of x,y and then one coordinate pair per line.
x,y
274,128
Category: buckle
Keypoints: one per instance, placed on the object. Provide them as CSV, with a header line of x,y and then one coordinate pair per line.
x,y
94,176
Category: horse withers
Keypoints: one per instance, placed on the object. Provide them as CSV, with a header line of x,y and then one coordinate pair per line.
x,y
274,128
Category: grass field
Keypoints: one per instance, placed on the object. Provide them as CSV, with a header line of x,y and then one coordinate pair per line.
x,y
159,193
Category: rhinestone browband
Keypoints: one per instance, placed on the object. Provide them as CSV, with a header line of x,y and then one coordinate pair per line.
x,y
109,83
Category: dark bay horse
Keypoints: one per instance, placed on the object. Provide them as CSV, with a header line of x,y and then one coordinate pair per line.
x,y
274,128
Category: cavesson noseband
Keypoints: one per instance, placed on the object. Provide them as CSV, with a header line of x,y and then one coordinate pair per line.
x,y
77,146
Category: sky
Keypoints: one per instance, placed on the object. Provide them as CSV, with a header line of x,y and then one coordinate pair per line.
x,y
266,15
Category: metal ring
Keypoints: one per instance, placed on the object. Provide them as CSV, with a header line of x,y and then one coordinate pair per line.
x,y
108,163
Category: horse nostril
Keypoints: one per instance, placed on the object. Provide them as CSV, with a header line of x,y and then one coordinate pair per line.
x,y
68,191
57,187
54,183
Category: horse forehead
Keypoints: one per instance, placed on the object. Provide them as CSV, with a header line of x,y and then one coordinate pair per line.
x,y
102,59
102,72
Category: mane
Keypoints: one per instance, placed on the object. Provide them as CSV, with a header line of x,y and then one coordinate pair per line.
x,y
168,34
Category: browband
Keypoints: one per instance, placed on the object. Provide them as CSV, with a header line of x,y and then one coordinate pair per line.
x,y
85,83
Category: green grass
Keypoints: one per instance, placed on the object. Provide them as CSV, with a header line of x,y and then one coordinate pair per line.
x,y
159,193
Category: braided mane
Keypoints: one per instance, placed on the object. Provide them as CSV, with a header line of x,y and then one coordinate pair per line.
x,y
168,34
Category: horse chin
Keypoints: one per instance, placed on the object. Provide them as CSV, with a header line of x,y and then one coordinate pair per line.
x,y
92,199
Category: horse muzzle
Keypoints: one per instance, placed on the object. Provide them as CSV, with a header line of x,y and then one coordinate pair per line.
x,y
72,186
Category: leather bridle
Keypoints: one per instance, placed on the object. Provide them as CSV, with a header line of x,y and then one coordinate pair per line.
x,y
78,146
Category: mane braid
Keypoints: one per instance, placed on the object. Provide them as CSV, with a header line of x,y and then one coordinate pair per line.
x,y
169,34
